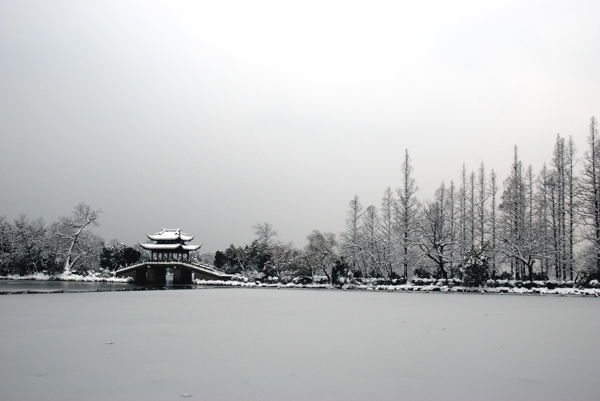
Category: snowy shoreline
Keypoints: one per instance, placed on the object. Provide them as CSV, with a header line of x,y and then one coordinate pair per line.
x,y
412,288
421,286
94,277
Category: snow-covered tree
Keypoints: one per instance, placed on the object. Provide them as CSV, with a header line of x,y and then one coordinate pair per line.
x,y
434,234
518,242
352,246
481,207
372,243
453,220
71,230
320,253
388,244
406,215
463,214
590,193
572,190
492,223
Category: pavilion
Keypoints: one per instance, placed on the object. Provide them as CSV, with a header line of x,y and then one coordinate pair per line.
x,y
170,252
170,245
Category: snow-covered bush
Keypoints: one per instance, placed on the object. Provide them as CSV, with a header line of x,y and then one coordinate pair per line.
x,y
475,268
422,281
421,272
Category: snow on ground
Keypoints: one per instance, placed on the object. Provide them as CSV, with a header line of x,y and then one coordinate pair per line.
x,y
91,277
410,287
235,344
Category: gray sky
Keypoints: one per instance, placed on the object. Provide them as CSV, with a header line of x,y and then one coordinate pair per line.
x,y
215,115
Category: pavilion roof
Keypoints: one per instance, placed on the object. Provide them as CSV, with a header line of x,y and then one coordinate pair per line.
x,y
170,247
170,234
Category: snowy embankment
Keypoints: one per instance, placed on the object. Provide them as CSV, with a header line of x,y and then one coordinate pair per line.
x,y
91,277
509,288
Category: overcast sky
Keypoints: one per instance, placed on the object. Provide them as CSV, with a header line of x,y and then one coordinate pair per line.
x,y
213,116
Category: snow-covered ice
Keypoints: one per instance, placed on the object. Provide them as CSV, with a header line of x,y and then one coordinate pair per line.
x,y
267,344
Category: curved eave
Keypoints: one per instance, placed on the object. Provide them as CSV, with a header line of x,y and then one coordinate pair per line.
x,y
169,236
157,247
170,247
191,247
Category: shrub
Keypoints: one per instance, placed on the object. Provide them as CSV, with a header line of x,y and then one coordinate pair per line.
x,y
475,268
504,276
339,272
421,272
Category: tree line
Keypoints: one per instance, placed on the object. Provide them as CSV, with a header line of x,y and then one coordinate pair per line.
x,y
62,247
532,226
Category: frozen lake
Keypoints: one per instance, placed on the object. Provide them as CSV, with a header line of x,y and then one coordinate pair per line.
x,y
12,286
265,344
41,286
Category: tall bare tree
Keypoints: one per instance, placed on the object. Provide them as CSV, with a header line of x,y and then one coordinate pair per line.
x,y
371,242
572,184
472,223
406,214
72,230
435,237
482,197
352,247
493,227
388,248
463,217
453,224
590,193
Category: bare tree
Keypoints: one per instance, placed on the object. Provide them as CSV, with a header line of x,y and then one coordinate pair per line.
x,y
559,186
493,228
406,214
452,221
320,253
542,224
571,204
590,192
71,230
462,199
472,222
351,237
265,234
371,242
435,237
388,251
284,258
482,197
519,244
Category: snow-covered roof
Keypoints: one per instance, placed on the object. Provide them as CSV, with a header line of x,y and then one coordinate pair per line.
x,y
170,234
170,247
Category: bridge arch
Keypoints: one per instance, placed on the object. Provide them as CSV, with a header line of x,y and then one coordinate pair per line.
x,y
183,272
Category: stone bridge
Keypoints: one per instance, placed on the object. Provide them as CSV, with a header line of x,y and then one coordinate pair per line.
x,y
183,272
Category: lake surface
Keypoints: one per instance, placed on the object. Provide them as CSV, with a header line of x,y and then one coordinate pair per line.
x,y
36,286
268,344
8,286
